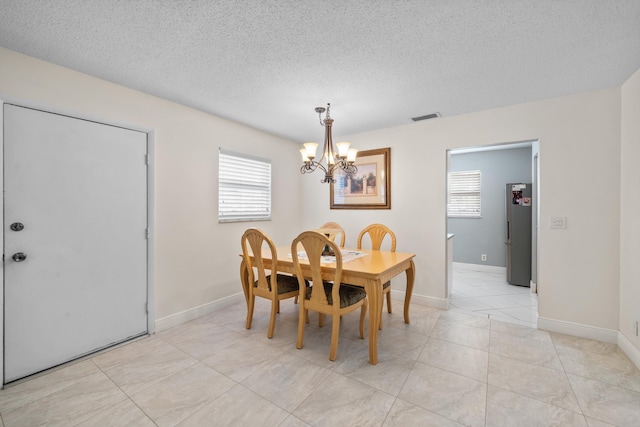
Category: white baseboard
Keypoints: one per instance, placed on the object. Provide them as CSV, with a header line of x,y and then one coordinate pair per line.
x,y
193,313
629,349
578,330
202,310
553,325
441,303
480,267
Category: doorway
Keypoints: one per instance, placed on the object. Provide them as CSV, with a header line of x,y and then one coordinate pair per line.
x,y
479,273
75,227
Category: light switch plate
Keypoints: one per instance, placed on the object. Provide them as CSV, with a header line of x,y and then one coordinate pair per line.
x,y
558,222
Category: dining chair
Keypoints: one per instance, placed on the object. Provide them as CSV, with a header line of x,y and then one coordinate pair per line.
x,y
272,287
340,231
377,233
325,297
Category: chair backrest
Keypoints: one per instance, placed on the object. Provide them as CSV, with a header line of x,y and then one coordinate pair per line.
x,y
313,244
340,231
253,242
377,233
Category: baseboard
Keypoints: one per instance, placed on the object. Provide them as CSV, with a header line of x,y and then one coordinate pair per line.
x,y
578,330
629,349
441,303
195,312
204,309
480,267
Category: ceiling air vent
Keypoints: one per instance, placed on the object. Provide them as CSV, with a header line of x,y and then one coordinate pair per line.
x,y
427,117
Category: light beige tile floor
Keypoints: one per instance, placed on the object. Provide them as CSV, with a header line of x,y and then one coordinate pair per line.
x,y
488,294
447,368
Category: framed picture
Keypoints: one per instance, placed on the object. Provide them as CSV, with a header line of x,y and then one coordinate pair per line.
x,y
369,188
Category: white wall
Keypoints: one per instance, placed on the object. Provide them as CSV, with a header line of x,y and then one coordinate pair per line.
x,y
630,208
197,258
579,178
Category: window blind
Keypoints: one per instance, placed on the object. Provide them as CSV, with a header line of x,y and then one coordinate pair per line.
x,y
463,200
244,187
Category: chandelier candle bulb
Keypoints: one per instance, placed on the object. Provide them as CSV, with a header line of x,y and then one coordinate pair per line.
x,y
311,148
343,149
351,155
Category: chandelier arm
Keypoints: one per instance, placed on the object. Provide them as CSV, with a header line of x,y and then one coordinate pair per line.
x,y
348,168
309,167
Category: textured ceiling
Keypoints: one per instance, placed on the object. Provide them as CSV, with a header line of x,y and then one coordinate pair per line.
x,y
267,64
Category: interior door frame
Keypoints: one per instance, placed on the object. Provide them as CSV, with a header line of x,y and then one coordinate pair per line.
x,y
534,143
7,99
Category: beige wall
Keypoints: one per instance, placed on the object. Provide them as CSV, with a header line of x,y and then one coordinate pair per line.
x,y
630,208
197,262
196,257
579,178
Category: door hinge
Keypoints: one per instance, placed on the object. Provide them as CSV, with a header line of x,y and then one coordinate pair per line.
x,y
146,307
147,160
146,233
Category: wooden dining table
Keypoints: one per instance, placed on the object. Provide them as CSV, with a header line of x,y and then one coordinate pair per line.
x,y
369,271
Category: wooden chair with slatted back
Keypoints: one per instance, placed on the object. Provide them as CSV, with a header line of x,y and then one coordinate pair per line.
x,y
340,231
334,230
324,297
272,287
377,233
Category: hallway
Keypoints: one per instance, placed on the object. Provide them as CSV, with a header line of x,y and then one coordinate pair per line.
x,y
486,293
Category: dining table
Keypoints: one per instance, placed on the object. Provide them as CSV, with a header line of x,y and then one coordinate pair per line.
x,y
370,269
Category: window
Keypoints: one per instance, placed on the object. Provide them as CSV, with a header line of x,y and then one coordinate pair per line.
x,y
463,200
244,187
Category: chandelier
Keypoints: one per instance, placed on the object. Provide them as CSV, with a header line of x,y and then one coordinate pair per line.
x,y
341,159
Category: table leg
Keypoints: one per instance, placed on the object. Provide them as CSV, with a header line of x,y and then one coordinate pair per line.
x,y
374,293
244,280
411,275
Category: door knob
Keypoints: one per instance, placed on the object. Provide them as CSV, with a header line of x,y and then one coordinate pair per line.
x,y
17,226
19,256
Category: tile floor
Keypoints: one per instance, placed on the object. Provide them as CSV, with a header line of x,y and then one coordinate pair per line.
x,y
488,294
447,368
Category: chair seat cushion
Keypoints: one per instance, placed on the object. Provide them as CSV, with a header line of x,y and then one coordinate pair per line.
x,y
349,295
286,283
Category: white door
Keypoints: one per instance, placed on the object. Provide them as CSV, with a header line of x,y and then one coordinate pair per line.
x,y
75,249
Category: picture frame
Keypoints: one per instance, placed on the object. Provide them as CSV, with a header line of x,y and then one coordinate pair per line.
x,y
369,188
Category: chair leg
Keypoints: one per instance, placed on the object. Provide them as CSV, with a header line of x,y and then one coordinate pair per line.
x,y
252,300
363,314
303,317
278,305
389,300
335,330
272,321
321,319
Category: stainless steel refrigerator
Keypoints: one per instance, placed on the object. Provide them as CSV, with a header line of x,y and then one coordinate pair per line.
x,y
519,234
